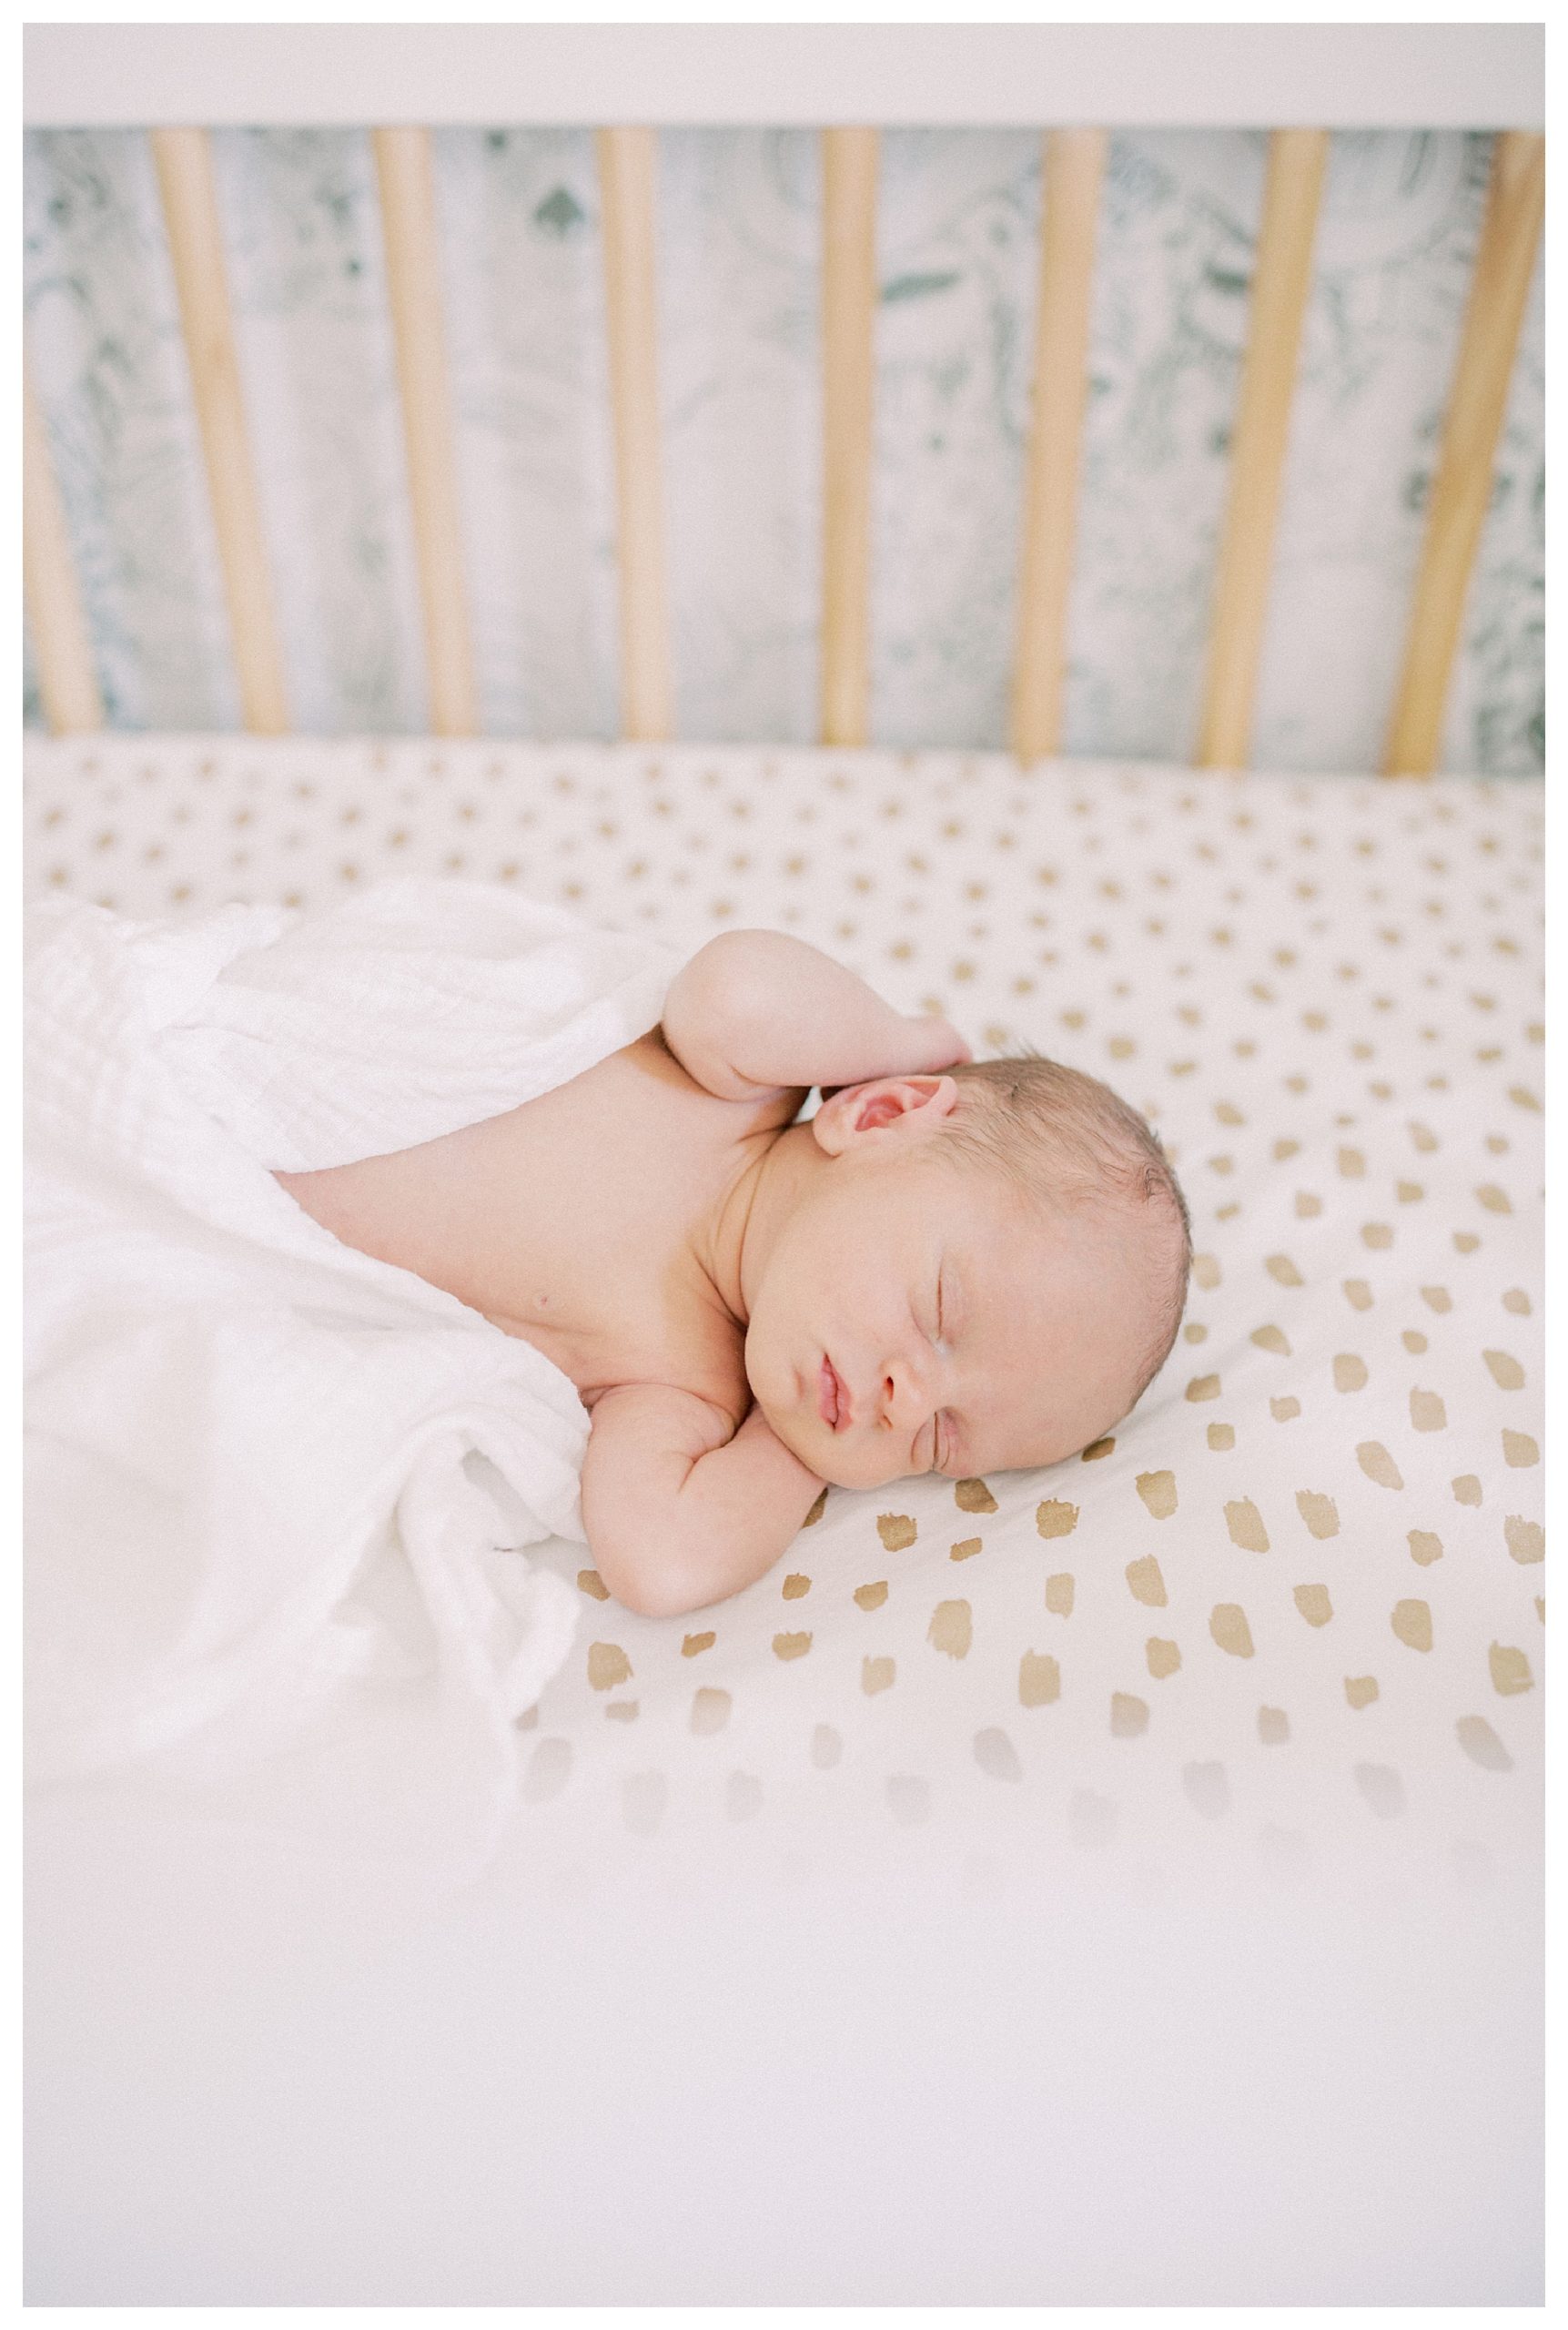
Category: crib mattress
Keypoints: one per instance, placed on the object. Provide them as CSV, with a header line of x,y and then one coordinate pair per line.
x,y
1288,1619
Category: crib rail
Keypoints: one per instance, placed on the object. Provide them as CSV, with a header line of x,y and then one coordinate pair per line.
x,y
1073,162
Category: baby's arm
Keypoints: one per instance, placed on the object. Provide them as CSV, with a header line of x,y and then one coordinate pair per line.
x,y
679,1508
757,1012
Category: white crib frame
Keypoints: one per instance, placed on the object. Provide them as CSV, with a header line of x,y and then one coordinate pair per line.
x,y
1419,76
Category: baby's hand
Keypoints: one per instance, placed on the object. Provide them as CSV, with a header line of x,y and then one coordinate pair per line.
x,y
939,1043
917,1043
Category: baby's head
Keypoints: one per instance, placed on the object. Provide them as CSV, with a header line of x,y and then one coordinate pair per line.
x,y
993,1262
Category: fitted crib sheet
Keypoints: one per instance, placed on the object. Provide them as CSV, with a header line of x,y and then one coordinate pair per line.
x,y
1288,1616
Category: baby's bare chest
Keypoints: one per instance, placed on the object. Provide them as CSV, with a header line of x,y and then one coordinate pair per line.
x,y
573,1222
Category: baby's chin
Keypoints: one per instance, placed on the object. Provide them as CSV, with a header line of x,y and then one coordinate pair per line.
x,y
821,1457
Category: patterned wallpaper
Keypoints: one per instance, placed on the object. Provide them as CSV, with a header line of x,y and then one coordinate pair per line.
x,y
738,227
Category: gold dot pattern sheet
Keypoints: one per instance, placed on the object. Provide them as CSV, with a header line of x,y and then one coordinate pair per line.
x,y
1291,1614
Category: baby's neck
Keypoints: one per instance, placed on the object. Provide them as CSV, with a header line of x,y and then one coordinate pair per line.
x,y
734,1243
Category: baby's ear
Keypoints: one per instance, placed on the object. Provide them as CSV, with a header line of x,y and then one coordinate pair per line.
x,y
855,1110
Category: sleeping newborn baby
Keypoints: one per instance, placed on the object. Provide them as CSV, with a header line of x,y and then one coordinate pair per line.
x,y
953,1266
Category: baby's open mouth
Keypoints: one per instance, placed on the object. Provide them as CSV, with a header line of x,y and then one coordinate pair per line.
x,y
832,1400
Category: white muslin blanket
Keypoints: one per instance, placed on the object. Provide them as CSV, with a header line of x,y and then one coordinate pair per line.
x,y
276,1488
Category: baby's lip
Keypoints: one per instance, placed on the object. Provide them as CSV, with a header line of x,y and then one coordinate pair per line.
x,y
831,1389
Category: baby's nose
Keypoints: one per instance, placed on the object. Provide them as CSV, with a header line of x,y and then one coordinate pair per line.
x,y
904,1395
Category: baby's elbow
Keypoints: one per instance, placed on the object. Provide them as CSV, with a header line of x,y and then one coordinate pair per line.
x,y
650,1585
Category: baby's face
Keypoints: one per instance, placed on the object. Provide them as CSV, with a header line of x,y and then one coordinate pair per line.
x,y
966,1337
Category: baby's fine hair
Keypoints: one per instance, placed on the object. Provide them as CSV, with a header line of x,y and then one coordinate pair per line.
x,y
1062,1141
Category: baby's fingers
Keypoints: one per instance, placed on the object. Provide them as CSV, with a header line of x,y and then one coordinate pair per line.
x,y
941,1044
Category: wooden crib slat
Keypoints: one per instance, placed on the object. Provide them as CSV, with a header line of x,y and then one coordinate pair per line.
x,y
1281,279
1074,165
406,177
627,168
67,677
1500,286
184,162
849,160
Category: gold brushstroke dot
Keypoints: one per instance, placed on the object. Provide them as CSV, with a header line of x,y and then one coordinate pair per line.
x,y
692,1646
608,1664
1506,1371
1313,1602
1411,1622
1308,1205
791,1645
1221,1436
1128,1714
1351,1163
908,1798
1158,1491
1519,1449
1054,1518
589,1582
816,1510
1059,1594
872,1597
1193,1333
794,1586
1203,1387
973,1497
1284,1150
1377,1466
965,1549
1228,1625
1526,1540
1465,1242
710,1710
1425,1548
878,1675
1466,1489
1413,1341
826,1747
1409,1192
1378,1235
1164,1657
997,1755
1319,1513
1205,1271
1360,1690
897,1530
1270,1338
1273,1726
1437,1298
1039,1680
951,1630
1358,1294
1495,1200
1482,1743
622,1711
1245,1524
1510,1671
1206,1789
1099,1448
1146,1583
1382,1788
1518,1302
1427,1412
1281,1268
